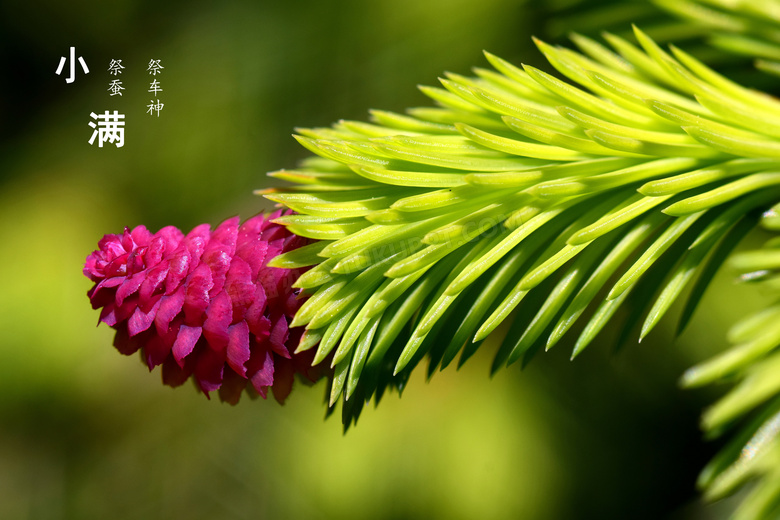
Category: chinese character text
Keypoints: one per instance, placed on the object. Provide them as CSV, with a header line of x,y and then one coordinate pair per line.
x,y
110,128
154,106
154,67
115,67
155,87
72,77
115,87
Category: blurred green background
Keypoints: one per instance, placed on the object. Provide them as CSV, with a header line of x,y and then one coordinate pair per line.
x,y
87,433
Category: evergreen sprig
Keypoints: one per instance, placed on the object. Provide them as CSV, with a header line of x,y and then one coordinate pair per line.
x,y
746,27
527,207
723,32
753,404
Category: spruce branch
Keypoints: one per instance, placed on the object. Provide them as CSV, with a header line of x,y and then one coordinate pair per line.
x,y
752,407
441,224
522,205
737,34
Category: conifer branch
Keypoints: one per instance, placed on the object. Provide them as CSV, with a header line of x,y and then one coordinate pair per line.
x,y
522,205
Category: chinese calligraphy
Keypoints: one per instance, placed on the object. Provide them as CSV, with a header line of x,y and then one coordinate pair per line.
x,y
115,87
72,77
155,68
155,87
110,128
115,67
154,107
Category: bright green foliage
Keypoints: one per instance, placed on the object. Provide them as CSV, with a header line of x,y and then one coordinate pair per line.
x,y
754,404
747,28
529,207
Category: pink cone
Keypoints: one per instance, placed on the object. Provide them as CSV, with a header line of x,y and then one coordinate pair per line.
x,y
205,305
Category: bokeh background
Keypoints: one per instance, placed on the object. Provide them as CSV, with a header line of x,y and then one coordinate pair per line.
x,y
87,433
